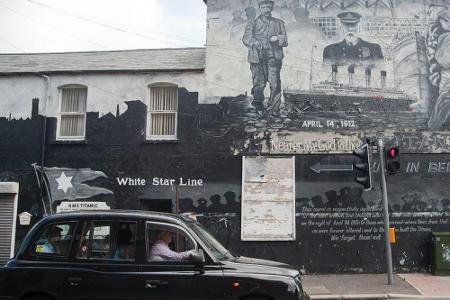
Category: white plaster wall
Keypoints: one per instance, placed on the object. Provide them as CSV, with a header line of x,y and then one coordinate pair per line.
x,y
105,91
16,93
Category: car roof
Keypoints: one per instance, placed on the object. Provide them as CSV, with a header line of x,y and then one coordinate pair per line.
x,y
116,214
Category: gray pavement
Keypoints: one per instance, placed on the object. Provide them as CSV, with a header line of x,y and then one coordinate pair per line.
x,y
374,286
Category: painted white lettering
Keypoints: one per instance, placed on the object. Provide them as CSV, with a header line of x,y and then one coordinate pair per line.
x,y
122,181
432,167
163,181
413,167
130,181
191,182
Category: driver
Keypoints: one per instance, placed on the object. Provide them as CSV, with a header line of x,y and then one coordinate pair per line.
x,y
161,252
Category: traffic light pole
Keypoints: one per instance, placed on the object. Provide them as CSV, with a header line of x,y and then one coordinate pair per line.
x,y
386,212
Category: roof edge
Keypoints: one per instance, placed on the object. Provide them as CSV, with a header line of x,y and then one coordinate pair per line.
x,y
136,71
106,51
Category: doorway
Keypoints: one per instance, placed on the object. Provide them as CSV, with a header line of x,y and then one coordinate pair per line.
x,y
159,205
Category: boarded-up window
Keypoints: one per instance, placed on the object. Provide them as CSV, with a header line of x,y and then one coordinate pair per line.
x,y
72,113
268,199
162,112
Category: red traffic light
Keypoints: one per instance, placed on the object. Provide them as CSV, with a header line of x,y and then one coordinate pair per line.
x,y
393,152
393,160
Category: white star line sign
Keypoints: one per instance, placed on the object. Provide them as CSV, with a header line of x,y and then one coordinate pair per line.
x,y
64,182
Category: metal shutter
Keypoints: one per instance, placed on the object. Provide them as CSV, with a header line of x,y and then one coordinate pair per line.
x,y
6,226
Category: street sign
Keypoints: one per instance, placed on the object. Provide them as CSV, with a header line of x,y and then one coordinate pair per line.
x,y
318,168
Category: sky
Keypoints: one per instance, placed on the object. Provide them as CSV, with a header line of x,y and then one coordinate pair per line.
x,y
35,26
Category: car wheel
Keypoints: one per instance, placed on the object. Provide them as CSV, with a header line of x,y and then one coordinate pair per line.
x,y
38,297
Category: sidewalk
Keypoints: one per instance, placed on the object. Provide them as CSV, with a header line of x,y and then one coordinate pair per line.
x,y
374,286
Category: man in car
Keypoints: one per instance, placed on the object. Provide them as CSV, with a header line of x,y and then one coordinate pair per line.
x,y
161,252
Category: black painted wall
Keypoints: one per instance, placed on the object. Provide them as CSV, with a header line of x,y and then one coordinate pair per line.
x,y
338,226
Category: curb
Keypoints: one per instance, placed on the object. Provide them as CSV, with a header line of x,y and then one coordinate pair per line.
x,y
345,297
375,297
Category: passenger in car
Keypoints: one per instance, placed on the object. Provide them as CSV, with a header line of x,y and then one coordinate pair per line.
x,y
160,250
52,244
125,245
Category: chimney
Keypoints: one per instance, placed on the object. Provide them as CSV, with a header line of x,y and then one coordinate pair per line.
x,y
351,74
368,77
383,79
334,72
35,108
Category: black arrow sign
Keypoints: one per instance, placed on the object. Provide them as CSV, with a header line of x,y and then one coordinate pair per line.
x,y
318,168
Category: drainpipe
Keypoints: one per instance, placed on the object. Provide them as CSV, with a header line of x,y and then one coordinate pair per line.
x,y
351,74
43,140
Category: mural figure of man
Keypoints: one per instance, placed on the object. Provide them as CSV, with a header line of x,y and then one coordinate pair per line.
x,y
265,38
439,59
352,49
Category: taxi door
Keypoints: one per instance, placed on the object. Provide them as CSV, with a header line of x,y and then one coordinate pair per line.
x,y
105,264
166,278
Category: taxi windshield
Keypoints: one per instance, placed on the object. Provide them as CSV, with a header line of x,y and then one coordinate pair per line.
x,y
216,249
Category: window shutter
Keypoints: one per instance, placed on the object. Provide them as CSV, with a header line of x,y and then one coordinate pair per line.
x,y
6,226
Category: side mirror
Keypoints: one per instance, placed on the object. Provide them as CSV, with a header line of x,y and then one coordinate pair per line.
x,y
198,257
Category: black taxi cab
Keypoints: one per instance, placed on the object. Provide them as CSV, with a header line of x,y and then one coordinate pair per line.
x,y
137,255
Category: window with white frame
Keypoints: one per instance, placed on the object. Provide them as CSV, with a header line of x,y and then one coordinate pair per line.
x,y
72,113
162,112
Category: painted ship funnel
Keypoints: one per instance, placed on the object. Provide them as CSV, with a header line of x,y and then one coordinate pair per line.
x,y
383,79
334,72
351,74
368,77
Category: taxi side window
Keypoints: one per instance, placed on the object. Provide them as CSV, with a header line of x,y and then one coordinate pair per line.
x,y
167,243
108,241
55,240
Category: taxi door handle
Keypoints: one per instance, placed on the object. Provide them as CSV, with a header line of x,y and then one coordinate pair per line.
x,y
152,284
74,281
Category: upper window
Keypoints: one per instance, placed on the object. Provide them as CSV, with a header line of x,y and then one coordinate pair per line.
x,y
162,112
72,113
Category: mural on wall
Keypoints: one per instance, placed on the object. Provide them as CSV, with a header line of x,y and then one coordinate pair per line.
x,y
344,65
438,46
59,184
265,37
335,221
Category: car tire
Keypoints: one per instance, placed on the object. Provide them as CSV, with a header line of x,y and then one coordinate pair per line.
x,y
37,297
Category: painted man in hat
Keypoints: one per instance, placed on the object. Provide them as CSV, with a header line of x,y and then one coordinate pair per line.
x,y
265,38
352,49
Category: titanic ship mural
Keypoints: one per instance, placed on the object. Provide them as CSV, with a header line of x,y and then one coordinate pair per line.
x,y
376,63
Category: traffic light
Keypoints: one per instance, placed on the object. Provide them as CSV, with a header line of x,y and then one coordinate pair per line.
x,y
361,167
393,160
